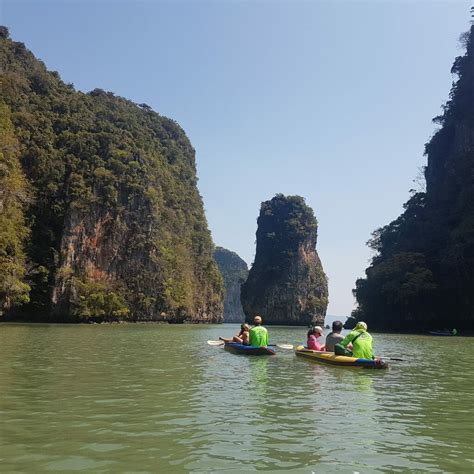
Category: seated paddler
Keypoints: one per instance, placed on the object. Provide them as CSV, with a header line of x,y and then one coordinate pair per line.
x,y
361,342
258,334
242,337
312,342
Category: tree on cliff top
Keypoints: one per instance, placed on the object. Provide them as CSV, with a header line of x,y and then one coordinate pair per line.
x,y
284,223
423,269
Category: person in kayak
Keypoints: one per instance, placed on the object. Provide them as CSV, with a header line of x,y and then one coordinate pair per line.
x,y
335,336
361,342
258,334
313,334
242,337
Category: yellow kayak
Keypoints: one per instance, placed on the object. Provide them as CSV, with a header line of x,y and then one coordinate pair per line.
x,y
343,361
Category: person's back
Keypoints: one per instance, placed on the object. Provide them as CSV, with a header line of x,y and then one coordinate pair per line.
x,y
258,335
361,342
335,336
362,346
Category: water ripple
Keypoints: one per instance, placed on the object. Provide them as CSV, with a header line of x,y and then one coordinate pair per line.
x,y
120,399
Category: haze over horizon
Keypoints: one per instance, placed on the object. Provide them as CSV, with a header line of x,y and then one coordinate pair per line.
x,y
330,101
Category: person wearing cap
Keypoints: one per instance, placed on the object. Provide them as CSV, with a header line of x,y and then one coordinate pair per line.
x,y
361,342
313,334
258,334
335,336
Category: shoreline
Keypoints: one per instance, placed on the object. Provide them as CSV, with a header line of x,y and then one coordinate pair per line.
x,y
467,333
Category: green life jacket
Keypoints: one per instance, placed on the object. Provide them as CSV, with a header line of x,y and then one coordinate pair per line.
x,y
258,336
362,346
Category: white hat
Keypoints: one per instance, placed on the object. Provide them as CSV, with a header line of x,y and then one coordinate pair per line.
x,y
319,329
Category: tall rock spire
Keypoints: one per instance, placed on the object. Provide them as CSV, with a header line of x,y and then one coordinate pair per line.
x,y
286,284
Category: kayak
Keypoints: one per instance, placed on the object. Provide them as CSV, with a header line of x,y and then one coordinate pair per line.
x,y
237,348
343,361
441,333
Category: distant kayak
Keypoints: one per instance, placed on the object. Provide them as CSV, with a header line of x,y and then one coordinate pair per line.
x,y
330,358
441,333
237,348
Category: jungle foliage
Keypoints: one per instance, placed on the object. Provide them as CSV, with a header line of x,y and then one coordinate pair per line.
x,y
113,201
13,228
422,274
284,224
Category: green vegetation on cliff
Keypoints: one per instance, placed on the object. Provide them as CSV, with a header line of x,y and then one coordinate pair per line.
x,y
422,275
234,270
13,229
286,283
116,222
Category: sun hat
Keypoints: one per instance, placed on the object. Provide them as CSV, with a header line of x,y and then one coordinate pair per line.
x,y
318,329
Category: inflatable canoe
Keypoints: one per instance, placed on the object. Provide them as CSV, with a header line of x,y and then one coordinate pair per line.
x,y
331,359
237,348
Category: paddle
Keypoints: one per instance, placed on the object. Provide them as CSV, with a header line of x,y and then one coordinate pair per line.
x,y
281,346
215,343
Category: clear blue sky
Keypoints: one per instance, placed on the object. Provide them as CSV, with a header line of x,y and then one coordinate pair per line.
x,y
329,100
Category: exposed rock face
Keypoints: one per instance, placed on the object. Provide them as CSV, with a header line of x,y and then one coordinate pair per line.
x,y
286,284
118,229
234,270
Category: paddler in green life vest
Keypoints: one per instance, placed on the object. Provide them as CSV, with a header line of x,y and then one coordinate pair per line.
x,y
361,343
258,334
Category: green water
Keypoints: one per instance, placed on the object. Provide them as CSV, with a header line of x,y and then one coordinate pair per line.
x,y
126,398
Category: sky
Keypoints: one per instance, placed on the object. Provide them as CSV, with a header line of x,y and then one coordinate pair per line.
x,y
329,100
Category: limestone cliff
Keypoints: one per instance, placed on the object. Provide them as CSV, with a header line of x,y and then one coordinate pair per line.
x,y
422,274
234,270
116,225
286,284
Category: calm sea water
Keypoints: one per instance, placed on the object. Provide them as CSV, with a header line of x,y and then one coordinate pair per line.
x,y
157,398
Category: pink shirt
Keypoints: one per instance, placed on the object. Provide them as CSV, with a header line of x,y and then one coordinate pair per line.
x,y
313,343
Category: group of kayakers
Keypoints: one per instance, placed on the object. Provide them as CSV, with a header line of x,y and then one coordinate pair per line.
x,y
358,343
332,338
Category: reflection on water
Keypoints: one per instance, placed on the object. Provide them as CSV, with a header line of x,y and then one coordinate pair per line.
x,y
259,376
134,398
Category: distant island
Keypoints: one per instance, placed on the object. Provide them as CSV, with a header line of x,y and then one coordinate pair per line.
x,y
101,218
422,274
234,271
